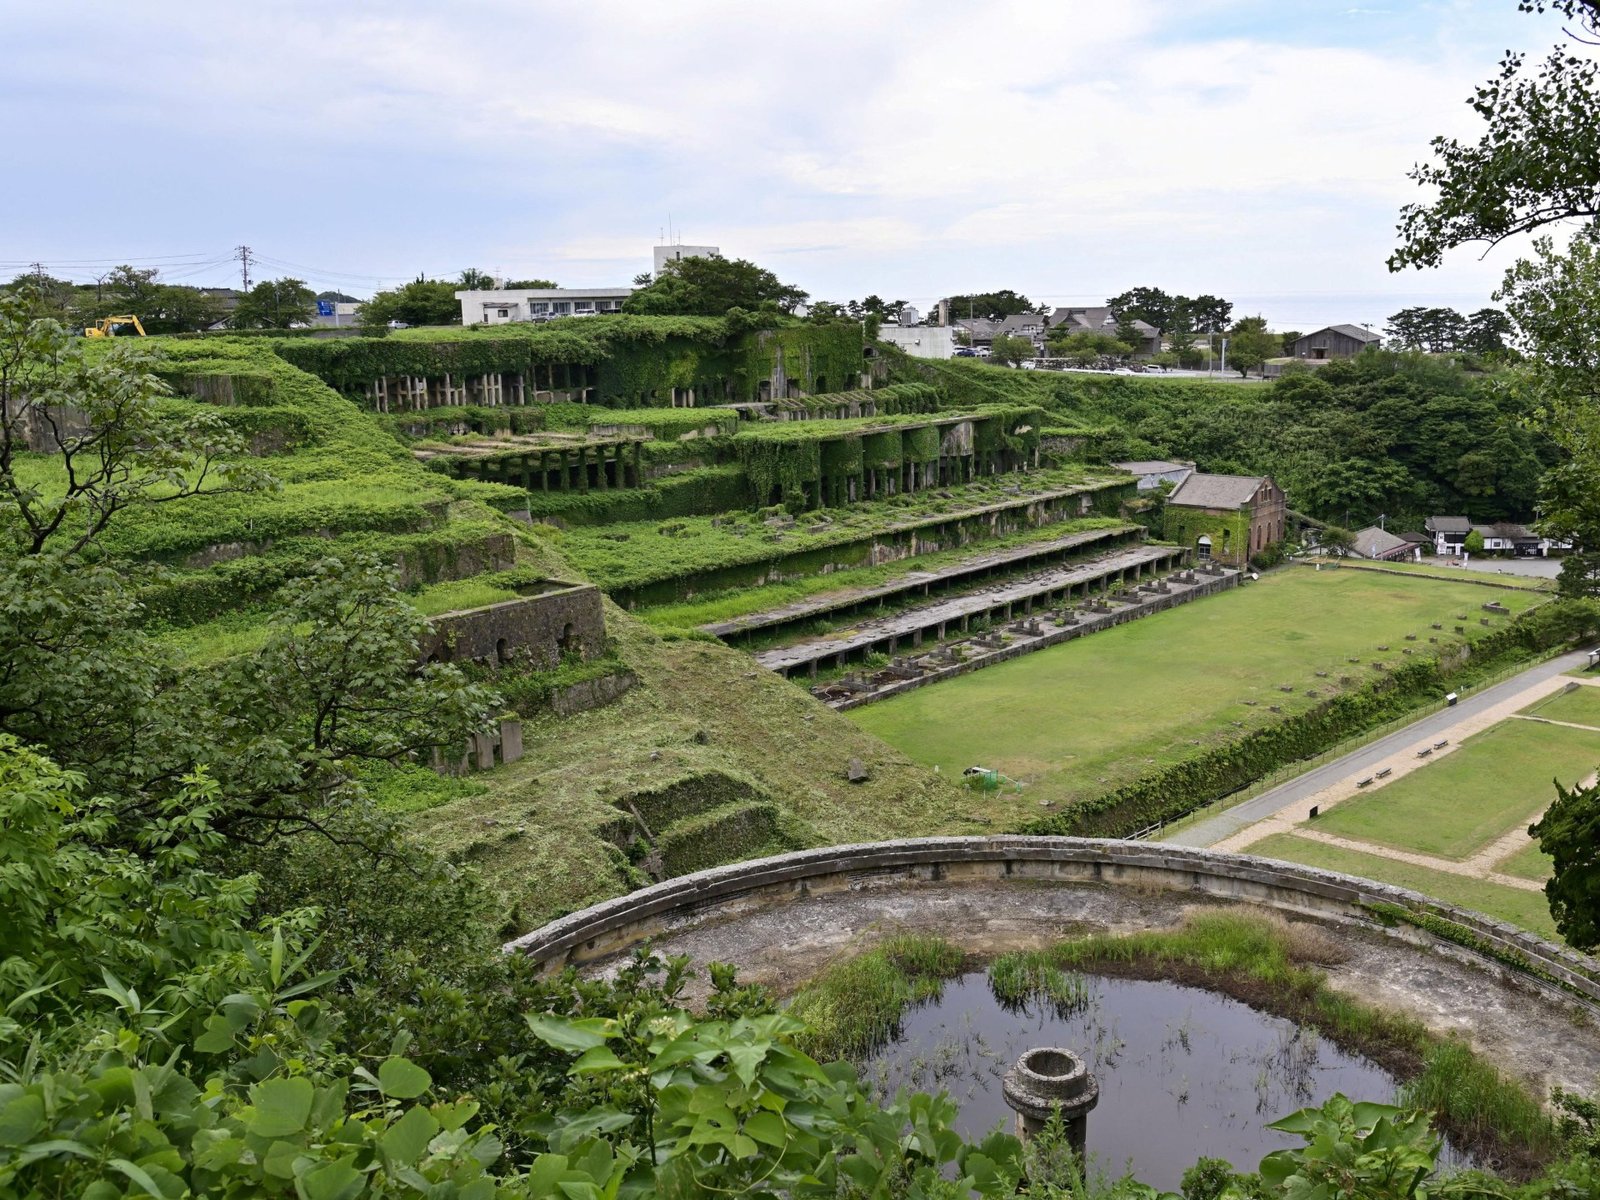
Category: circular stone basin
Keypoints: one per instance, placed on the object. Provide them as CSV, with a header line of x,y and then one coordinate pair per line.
x,y
1181,1072
1047,1078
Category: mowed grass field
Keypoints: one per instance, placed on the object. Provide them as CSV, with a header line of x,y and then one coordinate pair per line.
x,y
1487,787
1077,719
1524,908
1580,706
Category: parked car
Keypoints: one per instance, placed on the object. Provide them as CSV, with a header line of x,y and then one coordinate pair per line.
x,y
982,351
965,352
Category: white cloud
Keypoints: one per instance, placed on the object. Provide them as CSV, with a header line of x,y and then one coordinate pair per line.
x,y
1059,141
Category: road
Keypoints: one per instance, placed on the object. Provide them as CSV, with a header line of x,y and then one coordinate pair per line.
x,y
1296,791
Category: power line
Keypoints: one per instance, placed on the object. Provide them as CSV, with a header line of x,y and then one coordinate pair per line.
x,y
244,267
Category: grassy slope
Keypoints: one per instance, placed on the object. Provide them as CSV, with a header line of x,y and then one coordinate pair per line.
x,y
1493,783
1527,909
756,726
1079,718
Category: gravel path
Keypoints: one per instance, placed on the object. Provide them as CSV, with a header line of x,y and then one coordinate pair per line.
x,y
1285,806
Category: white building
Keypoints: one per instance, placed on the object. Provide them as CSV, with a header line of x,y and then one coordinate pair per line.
x,y
666,254
920,341
501,306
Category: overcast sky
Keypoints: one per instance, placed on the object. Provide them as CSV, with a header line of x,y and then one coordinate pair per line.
x,y
1256,149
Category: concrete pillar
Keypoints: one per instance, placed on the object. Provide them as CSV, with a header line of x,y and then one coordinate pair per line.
x,y
510,741
483,750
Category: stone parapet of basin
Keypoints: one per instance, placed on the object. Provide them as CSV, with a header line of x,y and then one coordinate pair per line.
x,y
723,893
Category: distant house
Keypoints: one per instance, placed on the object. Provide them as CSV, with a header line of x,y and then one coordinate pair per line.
x,y
1226,517
1098,319
1449,534
1153,473
1335,341
983,330
1381,545
1506,537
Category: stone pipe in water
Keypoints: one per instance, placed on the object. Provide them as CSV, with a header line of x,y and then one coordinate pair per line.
x,y
1046,1079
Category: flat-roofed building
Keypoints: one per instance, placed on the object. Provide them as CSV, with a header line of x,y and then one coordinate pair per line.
x,y
502,306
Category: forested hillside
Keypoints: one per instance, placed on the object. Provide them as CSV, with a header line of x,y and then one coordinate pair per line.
x,y
1402,434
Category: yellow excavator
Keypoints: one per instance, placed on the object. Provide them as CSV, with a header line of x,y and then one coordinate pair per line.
x,y
107,326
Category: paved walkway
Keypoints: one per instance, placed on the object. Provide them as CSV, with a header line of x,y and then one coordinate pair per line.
x,y
1284,807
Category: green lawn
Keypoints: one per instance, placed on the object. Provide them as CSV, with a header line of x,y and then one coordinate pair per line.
x,y
1079,718
1496,781
1581,706
1527,909
1527,863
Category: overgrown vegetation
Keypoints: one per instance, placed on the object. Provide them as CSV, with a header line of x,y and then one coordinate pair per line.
x,y
856,1005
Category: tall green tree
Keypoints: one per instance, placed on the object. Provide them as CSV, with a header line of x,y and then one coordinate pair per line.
x,y
1010,349
1488,331
274,304
1207,314
1251,343
1148,304
420,302
994,305
1434,329
710,286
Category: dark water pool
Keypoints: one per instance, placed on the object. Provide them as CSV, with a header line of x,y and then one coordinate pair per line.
x,y
1183,1072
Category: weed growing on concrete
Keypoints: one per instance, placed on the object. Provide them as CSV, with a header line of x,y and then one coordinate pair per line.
x,y
856,1005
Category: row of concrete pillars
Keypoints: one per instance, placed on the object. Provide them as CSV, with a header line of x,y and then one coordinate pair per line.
x,y
1003,612
580,469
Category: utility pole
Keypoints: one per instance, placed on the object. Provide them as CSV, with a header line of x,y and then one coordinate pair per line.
x,y
242,253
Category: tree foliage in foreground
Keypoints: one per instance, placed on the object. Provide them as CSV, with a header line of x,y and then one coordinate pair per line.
x,y
1554,301
1536,162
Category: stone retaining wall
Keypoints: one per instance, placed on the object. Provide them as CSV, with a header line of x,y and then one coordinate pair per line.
x,y
540,630
725,893
592,693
